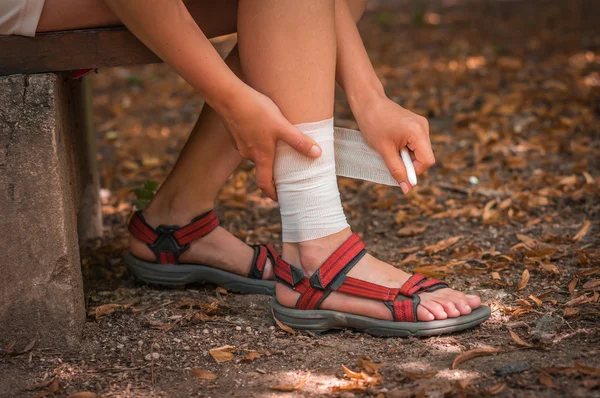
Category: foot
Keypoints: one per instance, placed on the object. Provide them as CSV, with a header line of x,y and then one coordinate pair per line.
x,y
439,304
219,249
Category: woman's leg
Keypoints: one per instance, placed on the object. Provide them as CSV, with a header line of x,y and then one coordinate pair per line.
x,y
288,53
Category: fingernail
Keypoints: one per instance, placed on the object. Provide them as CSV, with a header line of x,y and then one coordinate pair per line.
x,y
471,296
404,187
468,307
315,151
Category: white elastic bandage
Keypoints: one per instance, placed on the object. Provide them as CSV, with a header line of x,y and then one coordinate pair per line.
x,y
307,189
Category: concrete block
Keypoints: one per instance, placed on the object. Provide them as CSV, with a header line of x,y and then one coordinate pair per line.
x,y
41,291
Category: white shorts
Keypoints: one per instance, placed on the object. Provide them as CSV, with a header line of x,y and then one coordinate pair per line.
x,y
20,17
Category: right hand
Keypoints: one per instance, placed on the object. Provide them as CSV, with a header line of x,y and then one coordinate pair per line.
x,y
256,124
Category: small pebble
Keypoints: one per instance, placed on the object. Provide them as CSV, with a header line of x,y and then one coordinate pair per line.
x,y
154,355
205,331
238,328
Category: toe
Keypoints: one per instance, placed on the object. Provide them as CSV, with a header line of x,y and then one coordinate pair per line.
x,y
473,301
424,315
449,307
436,309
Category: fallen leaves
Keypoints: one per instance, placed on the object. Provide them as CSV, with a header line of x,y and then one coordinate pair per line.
x,y
442,245
223,354
519,340
585,228
474,353
203,374
106,309
523,281
412,230
290,387
283,326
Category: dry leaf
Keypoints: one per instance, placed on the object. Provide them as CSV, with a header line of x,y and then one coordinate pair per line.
x,y
351,374
523,281
536,300
497,389
591,284
203,374
418,376
519,340
291,388
530,242
582,232
477,352
570,312
587,370
106,309
223,354
369,366
412,230
84,394
221,290
572,285
546,380
282,325
251,356
442,245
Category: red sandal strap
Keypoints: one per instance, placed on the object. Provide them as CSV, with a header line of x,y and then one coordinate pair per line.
x,y
340,262
419,283
168,242
357,287
288,274
140,229
404,309
262,253
199,227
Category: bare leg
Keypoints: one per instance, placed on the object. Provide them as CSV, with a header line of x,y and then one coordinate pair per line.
x,y
301,83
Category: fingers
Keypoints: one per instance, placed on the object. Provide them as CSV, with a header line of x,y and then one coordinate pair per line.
x,y
394,163
420,144
300,142
264,175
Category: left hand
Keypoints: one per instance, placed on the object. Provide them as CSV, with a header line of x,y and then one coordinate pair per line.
x,y
387,127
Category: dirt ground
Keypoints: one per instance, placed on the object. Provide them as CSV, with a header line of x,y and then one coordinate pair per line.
x,y
511,211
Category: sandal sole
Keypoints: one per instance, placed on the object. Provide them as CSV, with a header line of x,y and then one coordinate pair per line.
x,y
319,321
176,275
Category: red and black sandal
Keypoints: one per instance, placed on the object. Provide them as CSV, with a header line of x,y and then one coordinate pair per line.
x,y
168,242
332,277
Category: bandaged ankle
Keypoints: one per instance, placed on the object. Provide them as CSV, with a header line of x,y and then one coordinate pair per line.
x,y
307,189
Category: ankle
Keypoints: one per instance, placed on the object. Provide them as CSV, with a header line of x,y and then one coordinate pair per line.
x,y
309,255
174,209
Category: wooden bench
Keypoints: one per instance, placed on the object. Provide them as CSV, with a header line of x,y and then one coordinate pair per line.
x,y
49,188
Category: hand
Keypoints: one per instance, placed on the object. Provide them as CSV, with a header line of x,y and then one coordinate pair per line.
x,y
387,128
256,124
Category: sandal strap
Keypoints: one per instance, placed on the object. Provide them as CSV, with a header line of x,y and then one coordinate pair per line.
x,y
262,253
340,262
168,242
419,283
332,276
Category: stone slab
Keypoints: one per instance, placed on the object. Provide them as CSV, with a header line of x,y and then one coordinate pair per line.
x,y
41,291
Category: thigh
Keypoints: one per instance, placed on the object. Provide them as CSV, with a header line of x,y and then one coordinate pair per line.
x,y
215,18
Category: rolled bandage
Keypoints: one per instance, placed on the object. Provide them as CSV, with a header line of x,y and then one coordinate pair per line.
x,y
354,158
307,189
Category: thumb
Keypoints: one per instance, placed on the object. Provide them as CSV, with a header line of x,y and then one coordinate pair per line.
x,y
301,142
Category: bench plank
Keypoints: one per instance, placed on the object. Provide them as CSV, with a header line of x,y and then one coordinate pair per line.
x,y
70,50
